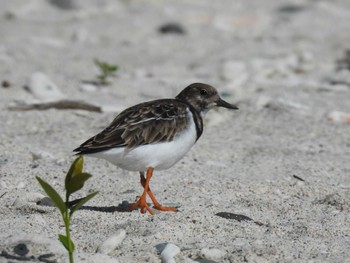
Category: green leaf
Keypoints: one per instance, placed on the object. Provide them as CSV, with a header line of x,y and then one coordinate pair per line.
x,y
105,68
82,202
65,241
112,68
77,182
55,197
75,168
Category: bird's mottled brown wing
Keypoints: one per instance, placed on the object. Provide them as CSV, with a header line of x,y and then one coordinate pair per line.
x,y
145,123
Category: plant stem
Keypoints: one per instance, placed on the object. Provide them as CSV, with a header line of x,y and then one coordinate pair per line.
x,y
67,223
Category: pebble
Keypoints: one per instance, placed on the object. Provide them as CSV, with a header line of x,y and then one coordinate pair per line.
x,y
212,254
40,154
169,252
172,28
339,117
43,89
112,242
21,185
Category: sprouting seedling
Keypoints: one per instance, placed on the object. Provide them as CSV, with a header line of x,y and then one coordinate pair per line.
x,y
106,70
74,181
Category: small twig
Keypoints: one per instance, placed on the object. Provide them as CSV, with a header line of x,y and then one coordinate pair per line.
x,y
60,105
298,178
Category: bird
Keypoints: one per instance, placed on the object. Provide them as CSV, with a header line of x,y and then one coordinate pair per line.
x,y
154,135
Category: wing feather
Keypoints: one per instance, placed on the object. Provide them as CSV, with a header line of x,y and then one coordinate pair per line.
x,y
146,123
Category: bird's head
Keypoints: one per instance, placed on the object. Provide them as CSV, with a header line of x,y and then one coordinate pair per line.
x,y
203,97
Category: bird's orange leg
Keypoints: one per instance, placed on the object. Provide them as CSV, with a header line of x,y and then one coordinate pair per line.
x,y
154,200
142,203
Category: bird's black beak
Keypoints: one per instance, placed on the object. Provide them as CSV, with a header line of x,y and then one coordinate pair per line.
x,y
222,103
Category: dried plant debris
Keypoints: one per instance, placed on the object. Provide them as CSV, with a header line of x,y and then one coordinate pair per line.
x,y
298,178
60,105
233,216
237,217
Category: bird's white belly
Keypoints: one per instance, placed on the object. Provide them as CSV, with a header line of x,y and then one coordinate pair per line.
x,y
160,156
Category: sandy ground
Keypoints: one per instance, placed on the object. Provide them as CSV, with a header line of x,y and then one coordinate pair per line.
x,y
282,160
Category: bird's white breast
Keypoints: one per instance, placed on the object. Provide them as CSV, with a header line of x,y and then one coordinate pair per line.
x,y
160,156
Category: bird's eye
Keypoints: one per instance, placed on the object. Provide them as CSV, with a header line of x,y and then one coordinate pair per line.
x,y
203,92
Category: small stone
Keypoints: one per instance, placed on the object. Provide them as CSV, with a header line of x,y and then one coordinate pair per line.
x,y
112,242
169,252
39,154
339,117
5,84
212,254
21,185
171,28
60,161
43,88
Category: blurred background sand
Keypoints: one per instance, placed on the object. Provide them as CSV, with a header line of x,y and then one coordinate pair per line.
x,y
282,160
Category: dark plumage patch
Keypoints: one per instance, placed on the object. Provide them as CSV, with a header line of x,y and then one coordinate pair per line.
x,y
145,123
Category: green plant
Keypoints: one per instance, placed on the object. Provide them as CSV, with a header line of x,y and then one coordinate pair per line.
x,y
106,70
74,181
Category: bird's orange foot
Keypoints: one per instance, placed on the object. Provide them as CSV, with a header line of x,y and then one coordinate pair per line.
x,y
165,208
142,204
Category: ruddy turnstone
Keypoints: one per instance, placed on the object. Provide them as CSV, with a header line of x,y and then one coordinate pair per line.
x,y
154,135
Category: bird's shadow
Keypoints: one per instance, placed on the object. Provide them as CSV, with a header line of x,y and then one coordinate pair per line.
x,y
122,207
